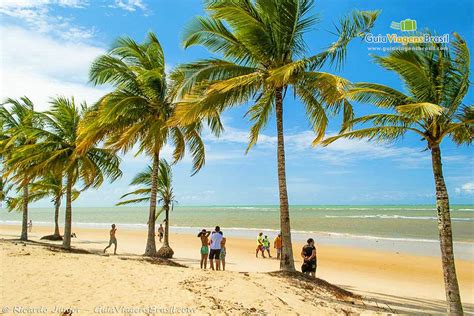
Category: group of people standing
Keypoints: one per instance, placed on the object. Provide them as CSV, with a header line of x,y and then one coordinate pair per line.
x,y
213,245
308,253
263,245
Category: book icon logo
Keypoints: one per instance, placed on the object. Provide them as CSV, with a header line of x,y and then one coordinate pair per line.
x,y
406,25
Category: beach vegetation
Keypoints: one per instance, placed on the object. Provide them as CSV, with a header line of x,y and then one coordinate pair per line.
x,y
432,107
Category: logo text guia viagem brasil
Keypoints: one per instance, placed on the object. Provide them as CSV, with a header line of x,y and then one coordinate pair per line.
x,y
407,25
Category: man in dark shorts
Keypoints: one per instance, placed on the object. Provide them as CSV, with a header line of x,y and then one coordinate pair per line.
x,y
214,254
112,240
308,253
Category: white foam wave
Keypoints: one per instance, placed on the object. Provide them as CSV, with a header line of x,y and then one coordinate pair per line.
x,y
383,216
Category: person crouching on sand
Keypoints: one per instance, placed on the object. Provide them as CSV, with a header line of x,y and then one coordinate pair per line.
x,y
112,240
204,235
223,253
308,253
214,254
259,245
277,245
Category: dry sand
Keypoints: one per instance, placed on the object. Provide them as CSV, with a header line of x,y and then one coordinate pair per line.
x,y
34,276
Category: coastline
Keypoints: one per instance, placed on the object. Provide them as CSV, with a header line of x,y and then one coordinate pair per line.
x,y
378,273
464,250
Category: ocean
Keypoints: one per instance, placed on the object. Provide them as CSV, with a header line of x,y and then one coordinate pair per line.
x,y
376,221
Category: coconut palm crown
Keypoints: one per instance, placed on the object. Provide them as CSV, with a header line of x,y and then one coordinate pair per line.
x,y
16,117
56,150
262,54
436,80
137,111
165,197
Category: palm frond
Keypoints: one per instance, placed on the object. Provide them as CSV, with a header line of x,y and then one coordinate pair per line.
x,y
420,111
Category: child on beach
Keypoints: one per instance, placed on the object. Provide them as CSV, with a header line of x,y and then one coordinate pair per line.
x,y
277,245
204,235
112,240
308,253
223,253
266,245
30,226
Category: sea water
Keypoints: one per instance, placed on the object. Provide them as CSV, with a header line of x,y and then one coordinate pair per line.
x,y
396,228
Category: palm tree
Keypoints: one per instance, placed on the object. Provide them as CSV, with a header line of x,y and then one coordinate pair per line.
x,y
142,193
263,54
56,151
15,117
137,111
165,197
436,81
51,185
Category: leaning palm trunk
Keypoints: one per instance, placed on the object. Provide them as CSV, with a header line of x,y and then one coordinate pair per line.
x,y
286,261
167,225
68,214
453,296
57,205
150,249
24,225
165,251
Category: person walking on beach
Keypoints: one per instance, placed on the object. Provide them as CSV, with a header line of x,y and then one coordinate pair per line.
x,y
259,245
308,253
266,245
30,226
161,232
204,235
223,253
277,245
214,254
112,240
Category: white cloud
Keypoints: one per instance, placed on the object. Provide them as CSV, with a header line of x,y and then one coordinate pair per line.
x,y
12,4
129,5
467,188
38,16
341,152
35,65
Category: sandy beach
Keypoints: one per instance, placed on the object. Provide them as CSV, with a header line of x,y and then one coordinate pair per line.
x,y
398,281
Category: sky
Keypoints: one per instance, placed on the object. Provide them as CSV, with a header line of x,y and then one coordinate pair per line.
x,y
47,47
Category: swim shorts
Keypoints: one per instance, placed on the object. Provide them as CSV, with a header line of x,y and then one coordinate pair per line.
x,y
222,254
204,250
214,254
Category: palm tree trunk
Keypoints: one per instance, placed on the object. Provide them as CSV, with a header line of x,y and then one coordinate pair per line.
x,y
68,214
167,226
150,249
286,261
24,225
57,205
451,286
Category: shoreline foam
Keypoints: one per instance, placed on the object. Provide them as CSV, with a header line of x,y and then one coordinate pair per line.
x,y
417,246
386,273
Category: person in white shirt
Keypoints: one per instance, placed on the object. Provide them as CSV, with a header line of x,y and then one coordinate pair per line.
x,y
215,243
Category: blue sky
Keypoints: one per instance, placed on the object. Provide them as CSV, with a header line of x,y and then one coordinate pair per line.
x,y
48,45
